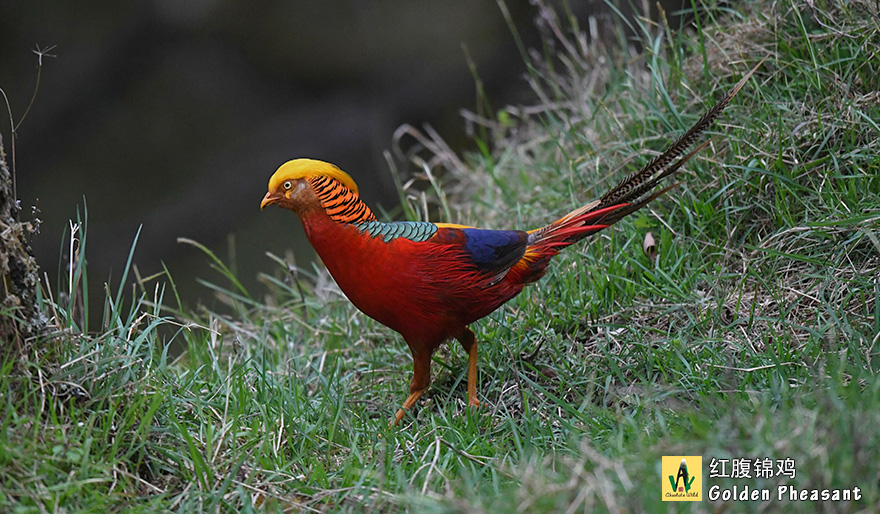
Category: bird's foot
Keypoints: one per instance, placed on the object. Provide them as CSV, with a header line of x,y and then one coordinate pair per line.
x,y
399,416
473,402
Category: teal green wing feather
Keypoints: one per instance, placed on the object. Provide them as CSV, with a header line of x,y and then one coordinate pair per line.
x,y
491,251
416,231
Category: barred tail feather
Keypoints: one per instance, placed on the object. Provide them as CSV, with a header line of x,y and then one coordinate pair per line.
x,y
628,196
631,194
637,184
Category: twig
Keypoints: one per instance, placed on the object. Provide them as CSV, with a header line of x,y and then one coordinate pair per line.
x,y
756,368
154,488
12,124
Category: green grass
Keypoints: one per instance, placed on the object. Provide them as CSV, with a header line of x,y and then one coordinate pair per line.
x,y
754,334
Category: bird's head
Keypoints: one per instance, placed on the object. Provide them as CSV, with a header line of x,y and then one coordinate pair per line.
x,y
290,188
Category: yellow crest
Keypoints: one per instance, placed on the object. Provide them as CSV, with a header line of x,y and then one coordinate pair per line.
x,y
304,168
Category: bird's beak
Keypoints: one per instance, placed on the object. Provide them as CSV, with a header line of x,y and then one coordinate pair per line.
x,y
269,199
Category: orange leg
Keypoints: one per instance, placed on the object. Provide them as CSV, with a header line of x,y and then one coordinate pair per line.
x,y
469,342
420,381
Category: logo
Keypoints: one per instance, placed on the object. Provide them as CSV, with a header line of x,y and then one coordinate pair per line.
x,y
682,478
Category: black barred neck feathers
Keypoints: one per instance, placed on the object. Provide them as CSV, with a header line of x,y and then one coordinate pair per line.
x,y
339,202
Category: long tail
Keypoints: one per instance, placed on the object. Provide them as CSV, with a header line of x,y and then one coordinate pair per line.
x,y
628,196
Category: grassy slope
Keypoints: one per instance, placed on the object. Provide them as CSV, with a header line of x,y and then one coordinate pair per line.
x,y
754,333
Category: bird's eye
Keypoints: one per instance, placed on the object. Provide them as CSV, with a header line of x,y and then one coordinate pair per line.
x,y
287,185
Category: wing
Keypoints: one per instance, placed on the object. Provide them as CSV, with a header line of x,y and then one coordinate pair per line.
x,y
488,252
486,255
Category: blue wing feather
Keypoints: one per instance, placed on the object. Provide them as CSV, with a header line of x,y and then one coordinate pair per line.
x,y
495,249
489,250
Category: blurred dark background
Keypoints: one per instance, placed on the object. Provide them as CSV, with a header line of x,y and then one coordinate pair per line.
x,y
173,114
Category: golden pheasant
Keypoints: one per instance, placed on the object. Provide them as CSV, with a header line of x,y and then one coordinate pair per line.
x,y
429,281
